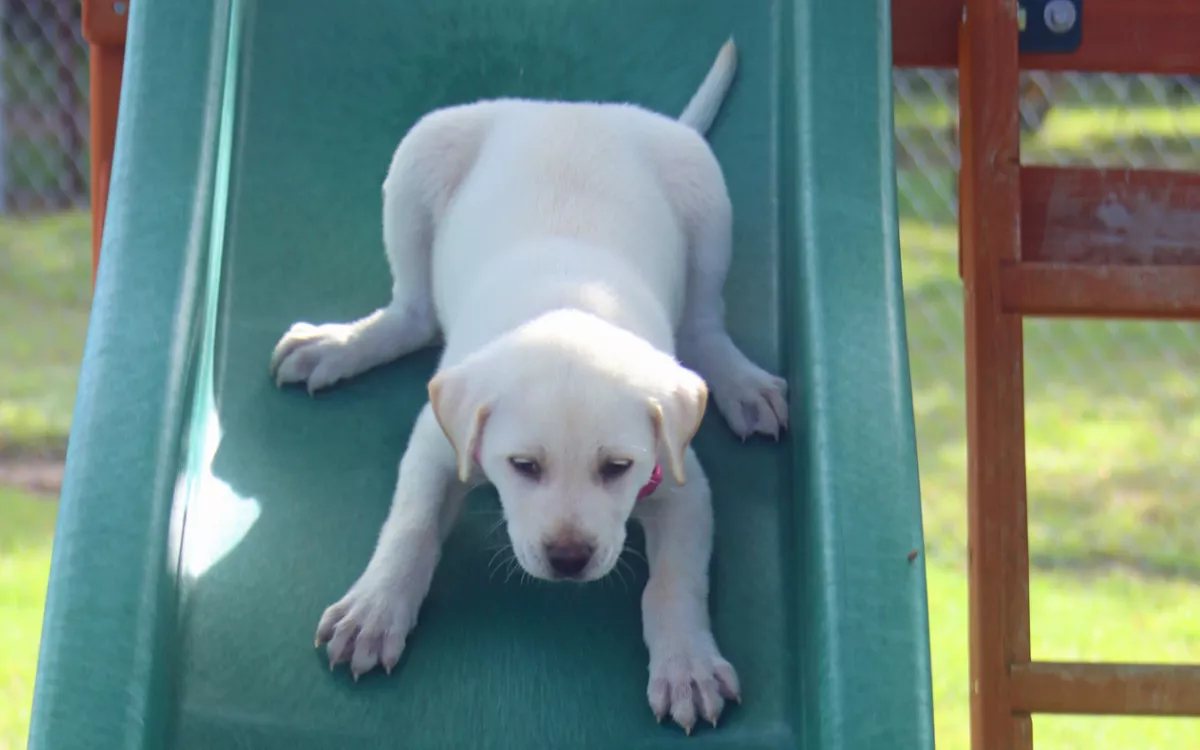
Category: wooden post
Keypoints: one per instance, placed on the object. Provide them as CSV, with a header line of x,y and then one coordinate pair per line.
x,y
104,29
989,190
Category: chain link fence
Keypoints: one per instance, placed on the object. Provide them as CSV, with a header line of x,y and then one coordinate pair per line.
x,y
1108,403
43,101
1112,413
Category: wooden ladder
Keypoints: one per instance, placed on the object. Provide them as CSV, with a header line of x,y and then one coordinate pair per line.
x,y
1033,243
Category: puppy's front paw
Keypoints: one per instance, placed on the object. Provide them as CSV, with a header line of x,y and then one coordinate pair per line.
x,y
690,678
368,627
316,355
752,400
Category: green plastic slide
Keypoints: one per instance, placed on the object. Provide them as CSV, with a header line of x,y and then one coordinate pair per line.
x,y
208,518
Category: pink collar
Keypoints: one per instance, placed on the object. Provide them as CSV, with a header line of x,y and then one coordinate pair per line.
x,y
652,485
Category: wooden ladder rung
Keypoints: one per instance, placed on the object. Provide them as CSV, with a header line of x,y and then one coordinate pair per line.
x,y
1108,243
1100,217
1106,689
1109,291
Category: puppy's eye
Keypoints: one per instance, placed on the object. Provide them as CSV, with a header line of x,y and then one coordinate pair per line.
x,y
614,468
526,467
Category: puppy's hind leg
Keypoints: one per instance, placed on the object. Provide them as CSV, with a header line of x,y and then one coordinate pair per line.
x,y
425,171
751,399
321,355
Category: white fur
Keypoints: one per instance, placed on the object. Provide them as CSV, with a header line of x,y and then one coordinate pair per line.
x,y
565,251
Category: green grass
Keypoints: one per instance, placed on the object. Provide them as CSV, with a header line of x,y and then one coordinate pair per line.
x,y
1114,616
1113,439
1113,429
26,529
45,293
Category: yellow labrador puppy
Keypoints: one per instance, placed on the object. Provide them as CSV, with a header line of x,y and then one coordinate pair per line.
x,y
566,252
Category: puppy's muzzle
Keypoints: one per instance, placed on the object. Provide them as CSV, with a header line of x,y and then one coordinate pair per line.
x,y
569,557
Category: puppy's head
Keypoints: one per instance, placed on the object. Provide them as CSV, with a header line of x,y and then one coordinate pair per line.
x,y
568,417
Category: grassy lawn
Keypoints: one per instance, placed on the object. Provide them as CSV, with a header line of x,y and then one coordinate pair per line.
x,y
1113,428
1112,421
1111,616
45,291
26,529
1113,436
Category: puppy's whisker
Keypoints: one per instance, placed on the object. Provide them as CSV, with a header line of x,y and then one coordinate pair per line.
x,y
635,553
504,543
622,562
493,565
619,575
513,566
633,573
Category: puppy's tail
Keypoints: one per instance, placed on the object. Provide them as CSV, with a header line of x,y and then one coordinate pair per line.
x,y
703,108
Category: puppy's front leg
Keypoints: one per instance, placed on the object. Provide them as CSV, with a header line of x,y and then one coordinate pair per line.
x,y
369,625
687,672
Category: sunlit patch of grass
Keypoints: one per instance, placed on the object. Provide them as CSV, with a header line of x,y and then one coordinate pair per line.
x,y
1113,616
26,530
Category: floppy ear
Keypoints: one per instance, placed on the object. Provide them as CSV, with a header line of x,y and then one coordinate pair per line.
x,y
676,413
461,412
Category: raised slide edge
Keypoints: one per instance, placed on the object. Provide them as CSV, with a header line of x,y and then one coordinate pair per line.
x,y
108,627
858,504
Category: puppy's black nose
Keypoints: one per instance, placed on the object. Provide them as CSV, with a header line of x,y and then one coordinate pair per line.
x,y
568,559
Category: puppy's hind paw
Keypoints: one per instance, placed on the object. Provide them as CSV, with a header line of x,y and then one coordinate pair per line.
x,y
753,401
316,355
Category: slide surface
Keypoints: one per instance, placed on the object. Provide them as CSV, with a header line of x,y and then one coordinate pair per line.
x,y
208,518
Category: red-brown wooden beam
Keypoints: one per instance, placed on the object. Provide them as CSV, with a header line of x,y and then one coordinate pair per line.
x,y
1110,217
1117,243
1107,689
104,30
1083,291
1119,36
989,189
